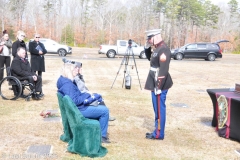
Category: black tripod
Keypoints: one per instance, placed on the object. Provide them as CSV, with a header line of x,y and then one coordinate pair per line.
x,y
125,60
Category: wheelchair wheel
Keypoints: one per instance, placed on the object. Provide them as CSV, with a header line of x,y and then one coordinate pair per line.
x,y
10,88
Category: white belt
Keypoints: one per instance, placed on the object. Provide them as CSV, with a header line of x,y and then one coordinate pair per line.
x,y
153,69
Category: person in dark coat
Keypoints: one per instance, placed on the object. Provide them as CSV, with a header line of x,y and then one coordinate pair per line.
x,y
158,80
21,69
19,43
37,51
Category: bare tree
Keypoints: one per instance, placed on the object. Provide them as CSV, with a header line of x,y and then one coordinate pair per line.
x,y
4,11
105,21
17,8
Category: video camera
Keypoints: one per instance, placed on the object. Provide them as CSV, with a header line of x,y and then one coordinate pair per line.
x,y
129,43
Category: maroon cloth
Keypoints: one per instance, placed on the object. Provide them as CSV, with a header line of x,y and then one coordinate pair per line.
x,y
225,131
231,127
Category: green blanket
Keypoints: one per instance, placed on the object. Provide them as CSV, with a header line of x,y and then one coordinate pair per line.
x,y
82,134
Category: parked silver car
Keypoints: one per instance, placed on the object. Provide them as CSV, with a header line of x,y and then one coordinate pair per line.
x,y
54,47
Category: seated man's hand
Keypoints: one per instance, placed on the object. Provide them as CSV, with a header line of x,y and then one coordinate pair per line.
x,y
34,78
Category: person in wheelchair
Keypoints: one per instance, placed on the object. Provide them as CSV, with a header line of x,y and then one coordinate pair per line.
x,y
90,105
21,69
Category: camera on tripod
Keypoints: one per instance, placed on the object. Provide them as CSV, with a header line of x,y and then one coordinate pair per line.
x,y
129,43
129,53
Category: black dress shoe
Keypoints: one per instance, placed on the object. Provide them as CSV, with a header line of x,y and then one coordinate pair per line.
x,y
105,140
150,136
35,97
40,95
111,118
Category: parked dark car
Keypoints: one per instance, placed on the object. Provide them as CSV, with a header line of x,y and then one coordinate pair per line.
x,y
204,50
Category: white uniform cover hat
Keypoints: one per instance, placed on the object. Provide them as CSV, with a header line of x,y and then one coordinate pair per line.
x,y
151,33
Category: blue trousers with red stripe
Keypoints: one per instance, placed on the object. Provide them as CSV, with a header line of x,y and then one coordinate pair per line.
x,y
159,107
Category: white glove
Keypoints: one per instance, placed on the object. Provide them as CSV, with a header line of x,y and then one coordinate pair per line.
x,y
157,91
147,45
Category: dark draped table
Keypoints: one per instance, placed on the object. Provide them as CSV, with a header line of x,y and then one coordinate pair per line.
x,y
233,123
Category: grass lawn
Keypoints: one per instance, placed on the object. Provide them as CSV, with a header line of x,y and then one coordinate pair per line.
x,y
188,131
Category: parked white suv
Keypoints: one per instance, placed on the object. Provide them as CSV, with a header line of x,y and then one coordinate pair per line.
x,y
54,47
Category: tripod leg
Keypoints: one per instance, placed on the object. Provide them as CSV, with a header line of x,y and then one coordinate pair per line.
x,y
118,70
136,70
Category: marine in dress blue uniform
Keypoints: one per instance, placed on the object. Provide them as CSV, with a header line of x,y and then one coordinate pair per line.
x,y
158,80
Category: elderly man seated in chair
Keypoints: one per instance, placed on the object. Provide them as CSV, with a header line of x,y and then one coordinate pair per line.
x,y
21,69
91,105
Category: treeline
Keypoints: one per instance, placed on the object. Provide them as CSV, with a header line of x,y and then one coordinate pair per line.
x,y
94,22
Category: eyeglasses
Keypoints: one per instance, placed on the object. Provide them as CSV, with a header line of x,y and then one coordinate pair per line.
x,y
37,37
23,35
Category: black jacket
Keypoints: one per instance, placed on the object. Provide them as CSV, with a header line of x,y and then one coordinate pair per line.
x,y
160,59
21,69
37,60
16,45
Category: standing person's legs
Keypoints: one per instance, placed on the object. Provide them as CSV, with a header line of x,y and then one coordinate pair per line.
x,y
40,73
101,113
38,84
7,62
2,62
159,107
162,112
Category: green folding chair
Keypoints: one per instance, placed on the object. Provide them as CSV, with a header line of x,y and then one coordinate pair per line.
x,y
86,133
67,133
